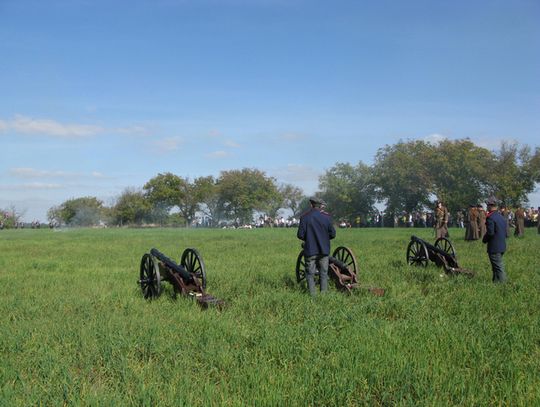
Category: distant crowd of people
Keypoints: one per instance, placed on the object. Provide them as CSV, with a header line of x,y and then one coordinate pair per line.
x,y
278,222
472,220
20,225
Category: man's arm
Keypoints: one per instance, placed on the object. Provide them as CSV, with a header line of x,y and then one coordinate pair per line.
x,y
331,230
301,234
490,230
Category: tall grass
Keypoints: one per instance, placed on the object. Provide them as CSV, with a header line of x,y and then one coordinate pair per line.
x,y
75,329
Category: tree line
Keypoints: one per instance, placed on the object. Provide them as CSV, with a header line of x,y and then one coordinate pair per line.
x,y
405,177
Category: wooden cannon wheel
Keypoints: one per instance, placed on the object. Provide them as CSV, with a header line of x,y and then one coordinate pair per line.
x,y
446,246
346,256
192,261
150,279
341,253
417,254
301,267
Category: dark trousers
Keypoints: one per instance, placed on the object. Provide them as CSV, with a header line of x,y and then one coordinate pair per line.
x,y
317,265
497,266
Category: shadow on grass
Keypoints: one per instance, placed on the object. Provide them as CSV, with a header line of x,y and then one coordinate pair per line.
x,y
422,275
290,283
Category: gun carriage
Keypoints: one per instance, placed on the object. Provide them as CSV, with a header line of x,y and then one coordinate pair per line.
x,y
187,278
442,253
342,269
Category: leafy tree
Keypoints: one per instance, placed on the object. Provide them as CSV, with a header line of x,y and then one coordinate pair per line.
x,y
348,190
514,173
167,191
164,192
131,207
292,197
86,211
459,172
208,196
533,165
288,197
241,192
193,194
402,176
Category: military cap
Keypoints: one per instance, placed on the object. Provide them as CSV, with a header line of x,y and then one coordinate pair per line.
x,y
317,201
491,201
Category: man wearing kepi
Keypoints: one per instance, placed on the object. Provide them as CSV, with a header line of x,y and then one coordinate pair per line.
x,y
316,230
495,238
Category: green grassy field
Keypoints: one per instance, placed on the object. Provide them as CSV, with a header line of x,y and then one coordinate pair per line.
x,y
75,329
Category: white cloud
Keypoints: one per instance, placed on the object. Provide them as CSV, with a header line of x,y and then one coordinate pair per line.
x,y
218,154
26,172
169,144
33,173
30,186
231,144
28,125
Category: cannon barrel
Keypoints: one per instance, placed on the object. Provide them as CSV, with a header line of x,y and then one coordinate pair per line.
x,y
434,250
342,266
430,247
186,276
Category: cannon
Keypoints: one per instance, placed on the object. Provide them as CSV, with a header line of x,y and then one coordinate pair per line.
x,y
442,253
187,278
342,269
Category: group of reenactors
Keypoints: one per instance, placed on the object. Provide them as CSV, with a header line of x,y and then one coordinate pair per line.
x,y
475,227
475,221
491,226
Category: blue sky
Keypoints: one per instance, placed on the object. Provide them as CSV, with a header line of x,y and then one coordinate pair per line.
x,y
99,95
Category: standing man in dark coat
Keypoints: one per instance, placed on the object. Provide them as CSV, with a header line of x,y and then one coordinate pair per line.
x,y
495,238
316,230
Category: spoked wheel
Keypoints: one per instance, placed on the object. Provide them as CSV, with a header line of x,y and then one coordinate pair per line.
x,y
346,256
150,279
300,267
445,245
417,254
192,261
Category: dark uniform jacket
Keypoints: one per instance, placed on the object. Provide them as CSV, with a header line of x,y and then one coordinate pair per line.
x,y
316,230
495,236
